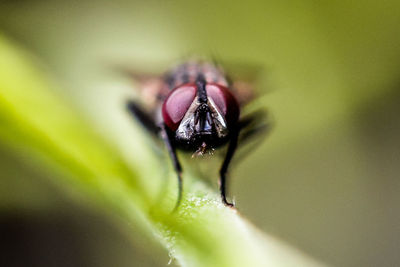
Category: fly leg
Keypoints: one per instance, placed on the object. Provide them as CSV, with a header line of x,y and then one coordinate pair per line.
x,y
150,125
253,125
248,127
224,168
168,140
143,117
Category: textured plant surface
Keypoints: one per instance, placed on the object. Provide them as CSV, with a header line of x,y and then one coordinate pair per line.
x,y
36,122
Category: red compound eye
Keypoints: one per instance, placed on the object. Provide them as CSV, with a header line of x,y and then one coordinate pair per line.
x,y
177,104
225,101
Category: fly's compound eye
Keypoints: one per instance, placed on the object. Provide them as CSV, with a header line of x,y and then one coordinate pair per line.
x,y
177,104
225,101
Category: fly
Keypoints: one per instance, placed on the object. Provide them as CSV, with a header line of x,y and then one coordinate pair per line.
x,y
195,107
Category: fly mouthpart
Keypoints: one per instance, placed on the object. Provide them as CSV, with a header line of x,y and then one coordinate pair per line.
x,y
202,150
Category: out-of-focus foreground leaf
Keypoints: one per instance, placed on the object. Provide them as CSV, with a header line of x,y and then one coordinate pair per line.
x,y
38,123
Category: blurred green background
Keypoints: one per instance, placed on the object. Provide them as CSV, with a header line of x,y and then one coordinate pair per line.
x,y
327,178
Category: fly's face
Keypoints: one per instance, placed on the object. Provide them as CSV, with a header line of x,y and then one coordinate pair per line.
x,y
202,119
201,115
